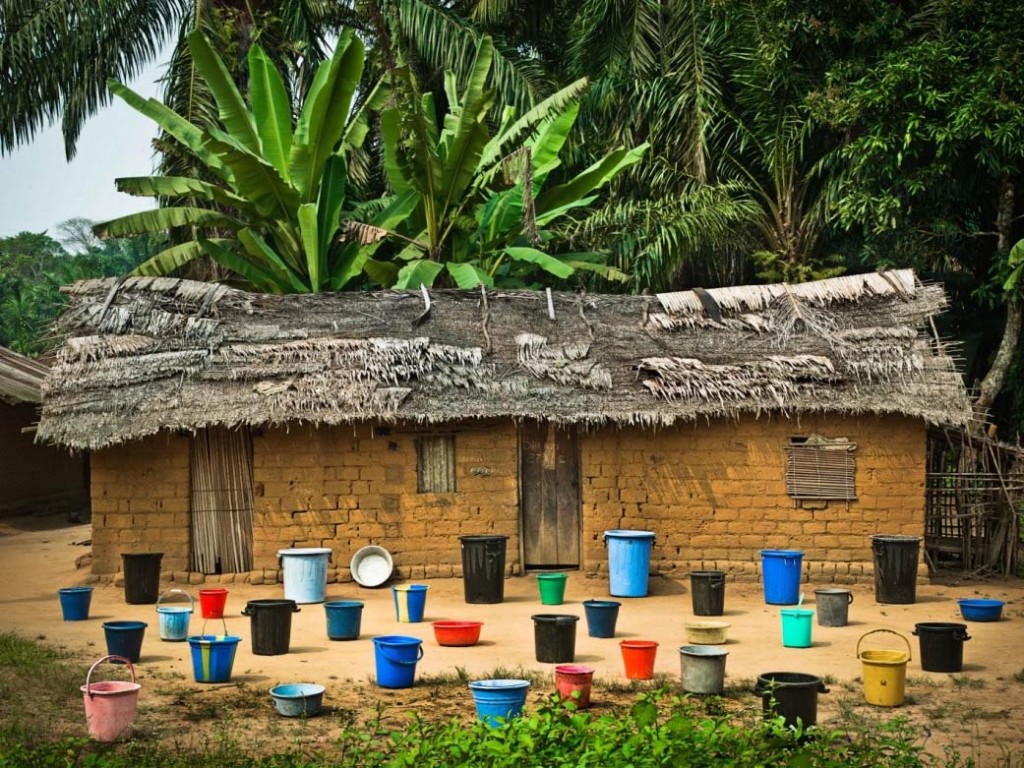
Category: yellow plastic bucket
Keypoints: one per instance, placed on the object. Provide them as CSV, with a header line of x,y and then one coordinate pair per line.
x,y
885,672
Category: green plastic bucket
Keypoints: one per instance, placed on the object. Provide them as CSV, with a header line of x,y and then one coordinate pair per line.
x,y
552,588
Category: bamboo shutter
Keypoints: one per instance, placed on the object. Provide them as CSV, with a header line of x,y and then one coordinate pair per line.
x,y
435,464
821,468
221,474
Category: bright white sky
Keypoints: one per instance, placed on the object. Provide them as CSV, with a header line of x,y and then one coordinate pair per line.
x,y
39,188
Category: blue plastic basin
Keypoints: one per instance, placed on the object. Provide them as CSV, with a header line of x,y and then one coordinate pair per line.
x,y
980,609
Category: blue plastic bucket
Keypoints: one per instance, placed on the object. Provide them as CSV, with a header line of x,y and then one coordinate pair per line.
x,y
410,600
781,572
305,573
212,657
174,618
344,618
629,562
498,700
74,602
601,617
796,627
395,657
124,638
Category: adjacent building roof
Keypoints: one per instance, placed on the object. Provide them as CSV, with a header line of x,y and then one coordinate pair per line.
x,y
146,354
21,378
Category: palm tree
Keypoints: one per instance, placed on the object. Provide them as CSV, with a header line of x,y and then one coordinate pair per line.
x,y
56,56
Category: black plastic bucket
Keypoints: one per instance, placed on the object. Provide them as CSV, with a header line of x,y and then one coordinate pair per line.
x,y
271,624
708,591
554,636
895,568
942,645
793,695
141,577
483,568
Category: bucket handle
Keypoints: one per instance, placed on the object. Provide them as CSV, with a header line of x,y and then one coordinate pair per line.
x,y
890,631
405,662
850,596
88,676
191,602
223,623
958,634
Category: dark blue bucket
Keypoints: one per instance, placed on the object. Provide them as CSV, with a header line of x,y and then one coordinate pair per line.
x,y
124,638
212,657
781,572
601,617
629,562
74,602
344,618
395,657
499,700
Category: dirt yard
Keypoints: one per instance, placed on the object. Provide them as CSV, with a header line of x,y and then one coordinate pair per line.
x,y
977,711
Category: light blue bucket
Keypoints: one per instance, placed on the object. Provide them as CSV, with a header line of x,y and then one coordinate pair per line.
x,y
174,619
629,562
305,573
498,701
797,624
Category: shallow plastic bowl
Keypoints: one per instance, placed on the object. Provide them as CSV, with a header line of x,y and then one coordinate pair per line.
x,y
371,566
706,632
457,632
297,699
981,609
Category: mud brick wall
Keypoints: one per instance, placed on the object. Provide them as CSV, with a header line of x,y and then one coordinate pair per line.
x,y
35,476
140,503
715,495
345,487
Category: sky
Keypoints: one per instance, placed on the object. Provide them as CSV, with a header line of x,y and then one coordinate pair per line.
x,y
39,188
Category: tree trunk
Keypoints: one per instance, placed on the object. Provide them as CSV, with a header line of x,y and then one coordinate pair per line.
x,y
996,376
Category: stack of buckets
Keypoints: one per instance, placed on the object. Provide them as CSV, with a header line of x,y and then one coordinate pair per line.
x,y
213,656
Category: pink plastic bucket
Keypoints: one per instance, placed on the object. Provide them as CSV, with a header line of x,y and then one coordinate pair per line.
x,y
110,706
570,678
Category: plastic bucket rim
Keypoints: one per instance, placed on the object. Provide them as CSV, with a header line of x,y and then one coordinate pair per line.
x,y
73,590
456,624
555,618
308,690
499,684
303,551
410,587
790,553
552,576
639,645
981,602
344,604
624,533
884,657
797,613
124,624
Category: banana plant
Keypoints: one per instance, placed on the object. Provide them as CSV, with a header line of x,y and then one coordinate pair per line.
x,y
273,213
481,207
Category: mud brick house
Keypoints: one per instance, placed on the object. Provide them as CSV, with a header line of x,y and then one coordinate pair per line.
x,y
33,478
226,425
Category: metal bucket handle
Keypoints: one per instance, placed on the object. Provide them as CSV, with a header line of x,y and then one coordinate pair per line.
x,y
223,623
890,631
88,676
191,602
405,662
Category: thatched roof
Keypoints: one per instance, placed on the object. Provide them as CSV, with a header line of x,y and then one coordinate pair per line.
x,y
21,378
155,353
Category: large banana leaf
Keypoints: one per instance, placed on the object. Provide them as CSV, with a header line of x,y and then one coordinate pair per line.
x,y
162,219
417,273
231,106
391,134
260,252
180,186
354,257
316,262
237,262
595,176
321,124
254,178
271,110
170,259
172,124
548,263
468,275
332,199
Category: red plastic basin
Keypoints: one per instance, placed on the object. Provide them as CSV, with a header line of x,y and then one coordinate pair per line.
x,y
457,632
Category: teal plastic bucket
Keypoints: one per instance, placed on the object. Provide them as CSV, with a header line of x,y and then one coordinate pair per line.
x,y
174,619
395,657
124,638
629,562
344,619
213,657
305,573
781,572
410,602
498,701
74,602
796,627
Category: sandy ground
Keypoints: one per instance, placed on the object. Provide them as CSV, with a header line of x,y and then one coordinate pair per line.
x,y
977,711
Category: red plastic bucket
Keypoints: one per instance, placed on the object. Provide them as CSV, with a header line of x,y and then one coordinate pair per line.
x,y
570,678
638,656
212,602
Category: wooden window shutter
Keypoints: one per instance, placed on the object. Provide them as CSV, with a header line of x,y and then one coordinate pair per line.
x,y
435,464
821,468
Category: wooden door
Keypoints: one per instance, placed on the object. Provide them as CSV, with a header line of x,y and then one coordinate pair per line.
x,y
549,495
222,519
